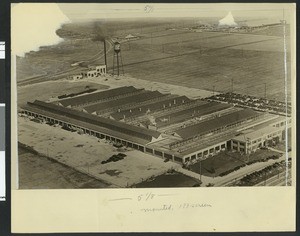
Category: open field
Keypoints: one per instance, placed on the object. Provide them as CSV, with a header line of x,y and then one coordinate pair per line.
x,y
38,172
207,60
55,59
79,44
211,62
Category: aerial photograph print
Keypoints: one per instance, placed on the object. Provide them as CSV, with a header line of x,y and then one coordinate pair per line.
x,y
153,96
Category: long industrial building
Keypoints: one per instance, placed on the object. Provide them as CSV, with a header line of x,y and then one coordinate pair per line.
x,y
166,125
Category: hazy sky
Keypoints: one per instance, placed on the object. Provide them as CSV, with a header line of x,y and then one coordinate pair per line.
x,y
94,10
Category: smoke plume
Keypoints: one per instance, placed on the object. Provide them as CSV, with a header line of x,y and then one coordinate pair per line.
x,y
227,20
99,32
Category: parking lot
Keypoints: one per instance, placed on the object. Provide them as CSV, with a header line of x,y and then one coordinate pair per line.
x,y
85,154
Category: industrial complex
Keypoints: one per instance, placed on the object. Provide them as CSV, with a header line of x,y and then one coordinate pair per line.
x,y
166,125
192,105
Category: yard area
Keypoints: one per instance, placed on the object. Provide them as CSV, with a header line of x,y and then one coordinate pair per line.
x,y
169,180
39,172
226,161
85,153
51,89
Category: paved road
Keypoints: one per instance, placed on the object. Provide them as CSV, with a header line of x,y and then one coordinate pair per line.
x,y
277,180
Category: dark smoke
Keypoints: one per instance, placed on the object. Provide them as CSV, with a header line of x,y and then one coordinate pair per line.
x,y
100,36
99,32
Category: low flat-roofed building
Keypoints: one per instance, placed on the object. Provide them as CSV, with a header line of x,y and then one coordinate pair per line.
x,y
76,76
92,74
260,136
101,69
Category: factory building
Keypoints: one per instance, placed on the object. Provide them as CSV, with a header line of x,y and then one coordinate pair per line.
x,y
261,136
93,71
97,69
101,69
76,76
92,74
165,125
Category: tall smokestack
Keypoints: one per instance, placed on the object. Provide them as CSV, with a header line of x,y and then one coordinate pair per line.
x,y
105,59
99,36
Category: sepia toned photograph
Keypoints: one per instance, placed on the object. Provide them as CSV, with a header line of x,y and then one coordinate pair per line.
x,y
152,96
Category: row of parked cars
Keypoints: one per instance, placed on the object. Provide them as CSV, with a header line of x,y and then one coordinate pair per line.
x,y
258,176
261,104
114,158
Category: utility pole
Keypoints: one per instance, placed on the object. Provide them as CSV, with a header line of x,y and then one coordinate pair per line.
x,y
247,149
265,90
200,170
231,97
122,65
118,65
213,90
104,49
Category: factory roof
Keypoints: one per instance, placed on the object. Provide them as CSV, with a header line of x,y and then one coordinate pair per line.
x,y
216,123
201,110
208,142
120,127
156,106
102,95
119,102
253,134
87,125
96,65
271,122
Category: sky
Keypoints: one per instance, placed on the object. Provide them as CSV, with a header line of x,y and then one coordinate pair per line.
x,y
34,25
98,11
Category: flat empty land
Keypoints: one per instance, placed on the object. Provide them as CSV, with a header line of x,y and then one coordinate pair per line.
x,y
39,172
211,60
205,60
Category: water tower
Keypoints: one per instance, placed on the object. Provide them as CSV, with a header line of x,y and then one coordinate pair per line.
x,y
118,58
